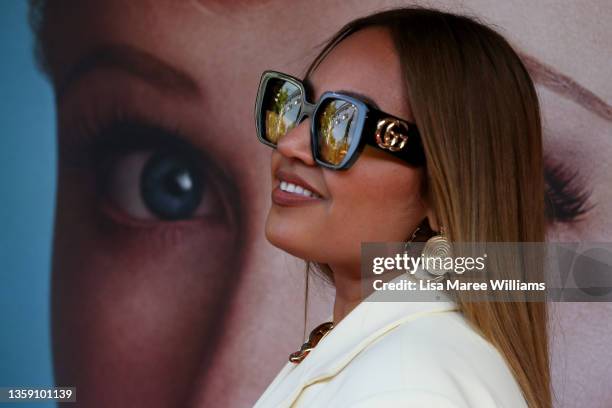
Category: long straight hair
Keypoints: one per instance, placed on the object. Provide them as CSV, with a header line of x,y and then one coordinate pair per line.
x,y
478,113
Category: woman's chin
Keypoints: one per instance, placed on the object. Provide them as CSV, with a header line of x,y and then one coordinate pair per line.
x,y
289,244
288,239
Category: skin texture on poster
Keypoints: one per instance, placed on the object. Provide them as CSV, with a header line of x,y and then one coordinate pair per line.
x,y
161,303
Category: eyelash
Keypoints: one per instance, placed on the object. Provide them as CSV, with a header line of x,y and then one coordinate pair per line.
x,y
93,135
567,200
94,144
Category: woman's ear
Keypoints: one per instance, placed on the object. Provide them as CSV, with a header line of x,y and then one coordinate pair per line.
x,y
426,201
432,219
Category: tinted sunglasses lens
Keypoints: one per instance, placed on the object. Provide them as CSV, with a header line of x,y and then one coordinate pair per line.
x,y
336,121
281,105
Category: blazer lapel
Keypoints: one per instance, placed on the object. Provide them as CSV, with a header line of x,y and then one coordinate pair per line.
x,y
369,320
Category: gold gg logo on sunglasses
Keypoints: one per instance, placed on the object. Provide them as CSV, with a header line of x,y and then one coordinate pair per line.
x,y
391,134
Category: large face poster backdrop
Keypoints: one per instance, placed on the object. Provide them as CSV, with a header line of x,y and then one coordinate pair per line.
x,y
161,309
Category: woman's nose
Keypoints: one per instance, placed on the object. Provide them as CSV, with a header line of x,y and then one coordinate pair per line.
x,y
296,143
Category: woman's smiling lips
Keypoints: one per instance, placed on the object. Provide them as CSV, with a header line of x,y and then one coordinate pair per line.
x,y
293,190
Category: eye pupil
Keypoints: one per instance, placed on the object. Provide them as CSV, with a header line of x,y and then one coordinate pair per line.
x,y
179,183
171,187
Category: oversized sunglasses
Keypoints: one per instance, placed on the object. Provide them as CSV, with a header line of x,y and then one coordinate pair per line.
x,y
341,124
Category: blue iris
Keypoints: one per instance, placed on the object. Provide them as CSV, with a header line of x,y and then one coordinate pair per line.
x,y
171,186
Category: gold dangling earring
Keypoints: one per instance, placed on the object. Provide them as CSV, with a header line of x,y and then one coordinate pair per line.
x,y
411,240
436,249
414,234
422,231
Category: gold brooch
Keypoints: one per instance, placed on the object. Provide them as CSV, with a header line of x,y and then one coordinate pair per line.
x,y
391,134
315,337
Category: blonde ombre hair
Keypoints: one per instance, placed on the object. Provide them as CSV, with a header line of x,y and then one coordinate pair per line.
x,y
478,114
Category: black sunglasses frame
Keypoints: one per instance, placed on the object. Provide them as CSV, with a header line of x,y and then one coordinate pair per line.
x,y
373,127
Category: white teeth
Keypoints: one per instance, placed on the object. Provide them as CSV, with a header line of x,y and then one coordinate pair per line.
x,y
295,189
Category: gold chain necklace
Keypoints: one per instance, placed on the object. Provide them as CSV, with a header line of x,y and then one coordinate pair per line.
x,y
313,339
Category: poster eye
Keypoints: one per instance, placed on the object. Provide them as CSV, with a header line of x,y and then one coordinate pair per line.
x,y
147,185
567,198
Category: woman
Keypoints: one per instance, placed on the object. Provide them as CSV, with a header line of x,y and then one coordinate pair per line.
x,y
420,118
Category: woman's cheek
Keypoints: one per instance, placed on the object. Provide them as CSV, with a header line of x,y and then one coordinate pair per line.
x,y
374,199
140,305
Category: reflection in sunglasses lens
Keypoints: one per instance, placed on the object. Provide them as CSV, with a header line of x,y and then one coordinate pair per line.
x,y
281,108
336,128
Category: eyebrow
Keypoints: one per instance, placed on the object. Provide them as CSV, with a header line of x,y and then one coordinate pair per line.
x,y
566,86
134,61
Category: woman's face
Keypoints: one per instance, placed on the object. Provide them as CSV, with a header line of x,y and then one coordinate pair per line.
x,y
160,214
378,198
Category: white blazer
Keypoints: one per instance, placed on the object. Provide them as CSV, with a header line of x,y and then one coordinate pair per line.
x,y
398,354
